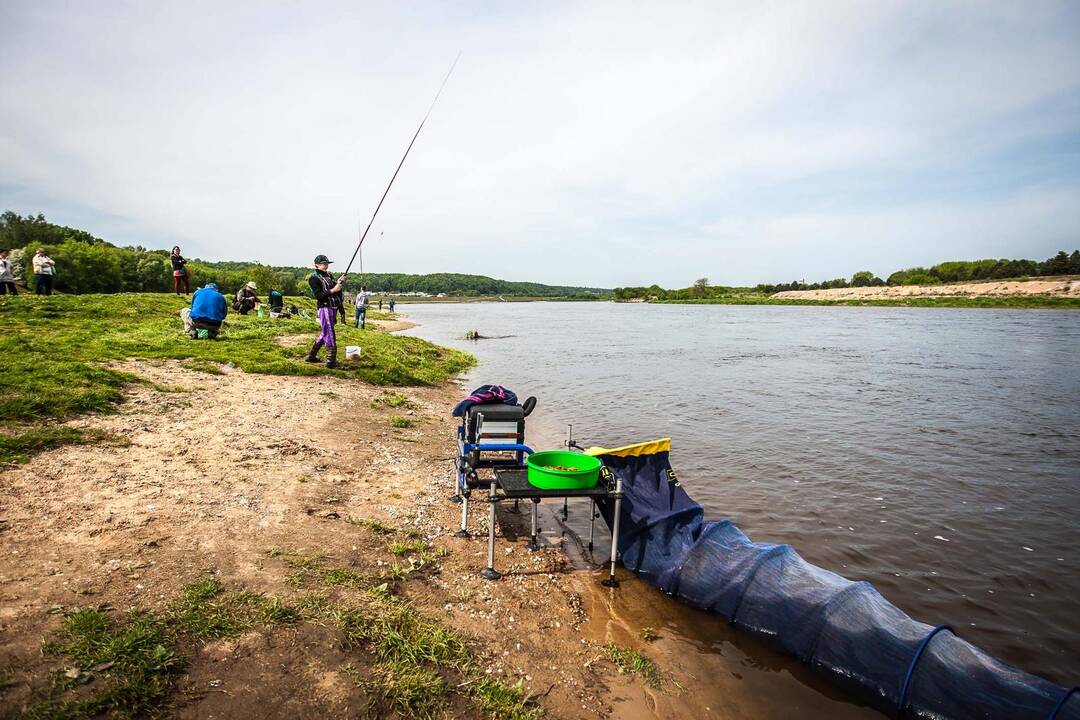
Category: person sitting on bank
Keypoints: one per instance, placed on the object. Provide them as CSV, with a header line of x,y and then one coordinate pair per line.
x,y
44,269
7,275
327,292
277,304
179,271
363,297
246,300
207,312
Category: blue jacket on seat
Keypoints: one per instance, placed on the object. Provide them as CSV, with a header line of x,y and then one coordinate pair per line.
x,y
208,305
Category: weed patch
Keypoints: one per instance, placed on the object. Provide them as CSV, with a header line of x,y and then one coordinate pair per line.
x,y
410,690
129,667
505,702
400,422
407,547
207,611
632,662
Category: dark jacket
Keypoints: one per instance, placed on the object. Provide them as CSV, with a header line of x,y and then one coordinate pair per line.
x,y
321,283
178,263
208,305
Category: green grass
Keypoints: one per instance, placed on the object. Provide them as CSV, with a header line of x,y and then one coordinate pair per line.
x,y
412,691
950,301
54,348
400,422
207,611
21,444
632,662
393,400
500,701
407,547
128,667
133,666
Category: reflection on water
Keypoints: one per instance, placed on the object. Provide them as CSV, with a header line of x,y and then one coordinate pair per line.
x,y
933,452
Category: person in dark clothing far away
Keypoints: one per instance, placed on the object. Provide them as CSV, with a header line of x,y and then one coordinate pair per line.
x,y
179,271
363,297
246,300
327,292
7,275
44,269
277,304
392,304
208,310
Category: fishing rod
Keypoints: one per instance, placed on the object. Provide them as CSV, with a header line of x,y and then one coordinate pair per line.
x,y
415,135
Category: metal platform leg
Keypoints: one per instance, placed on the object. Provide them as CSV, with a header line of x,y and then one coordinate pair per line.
x,y
459,480
464,531
533,542
592,523
611,582
565,508
490,573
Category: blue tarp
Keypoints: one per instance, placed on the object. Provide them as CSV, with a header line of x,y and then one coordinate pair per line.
x,y
841,627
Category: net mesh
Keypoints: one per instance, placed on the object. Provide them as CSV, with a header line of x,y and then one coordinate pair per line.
x,y
843,628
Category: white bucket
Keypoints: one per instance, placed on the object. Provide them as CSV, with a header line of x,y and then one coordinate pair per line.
x,y
352,352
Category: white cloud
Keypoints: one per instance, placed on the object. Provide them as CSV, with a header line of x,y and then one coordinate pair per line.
x,y
654,143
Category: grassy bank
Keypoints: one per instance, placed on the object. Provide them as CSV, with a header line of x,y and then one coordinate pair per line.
x,y
950,301
55,350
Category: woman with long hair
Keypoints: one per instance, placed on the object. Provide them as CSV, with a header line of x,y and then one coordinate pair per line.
x,y
179,271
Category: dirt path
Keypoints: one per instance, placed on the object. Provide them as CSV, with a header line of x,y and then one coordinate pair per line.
x,y
225,470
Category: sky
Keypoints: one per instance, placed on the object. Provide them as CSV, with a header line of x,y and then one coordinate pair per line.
x,y
601,144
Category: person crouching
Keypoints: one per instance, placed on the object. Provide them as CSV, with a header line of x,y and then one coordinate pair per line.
x,y
207,312
327,291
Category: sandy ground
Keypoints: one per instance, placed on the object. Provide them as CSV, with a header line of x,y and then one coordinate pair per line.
x,y
230,466
1058,288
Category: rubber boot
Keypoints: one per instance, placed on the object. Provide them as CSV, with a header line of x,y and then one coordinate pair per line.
x,y
331,359
312,357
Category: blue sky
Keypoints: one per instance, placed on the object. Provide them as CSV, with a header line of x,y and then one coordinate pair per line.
x,y
596,143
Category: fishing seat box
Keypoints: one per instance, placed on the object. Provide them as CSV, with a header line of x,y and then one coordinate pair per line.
x,y
500,425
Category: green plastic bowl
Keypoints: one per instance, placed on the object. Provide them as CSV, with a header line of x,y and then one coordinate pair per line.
x,y
544,475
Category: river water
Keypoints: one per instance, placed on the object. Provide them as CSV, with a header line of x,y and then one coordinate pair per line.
x,y
933,452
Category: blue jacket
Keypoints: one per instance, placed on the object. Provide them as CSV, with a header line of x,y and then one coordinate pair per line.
x,y
208,305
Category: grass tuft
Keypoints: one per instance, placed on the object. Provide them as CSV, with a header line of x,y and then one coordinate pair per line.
x,y
406,548
400,422
632,662
413,691
130,667
207,611
504,702
19,446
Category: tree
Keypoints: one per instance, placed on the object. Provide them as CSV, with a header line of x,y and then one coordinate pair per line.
x,y
1074,262
701,287
865,278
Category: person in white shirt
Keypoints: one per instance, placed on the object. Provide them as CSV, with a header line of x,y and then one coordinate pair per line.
x,y
44,269
363,297
7,275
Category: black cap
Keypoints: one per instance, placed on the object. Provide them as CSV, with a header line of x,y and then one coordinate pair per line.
x,y
322,259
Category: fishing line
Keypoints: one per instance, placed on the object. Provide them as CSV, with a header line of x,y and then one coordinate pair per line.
x,y
415,135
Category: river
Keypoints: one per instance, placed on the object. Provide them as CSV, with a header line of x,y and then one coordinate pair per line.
x,y
933,452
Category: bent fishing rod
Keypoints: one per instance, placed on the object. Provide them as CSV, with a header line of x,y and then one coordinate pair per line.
x,y
394,177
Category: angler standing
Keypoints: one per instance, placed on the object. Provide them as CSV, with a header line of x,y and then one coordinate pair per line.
x,y
327,291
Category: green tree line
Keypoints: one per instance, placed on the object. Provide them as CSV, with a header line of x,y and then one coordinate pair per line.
x,y
953,271
89,264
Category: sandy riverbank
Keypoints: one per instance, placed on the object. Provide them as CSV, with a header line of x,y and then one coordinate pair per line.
x,y
1069,288
296,488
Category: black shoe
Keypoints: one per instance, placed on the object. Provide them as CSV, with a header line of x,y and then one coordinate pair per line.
x,y
312,356
331,361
